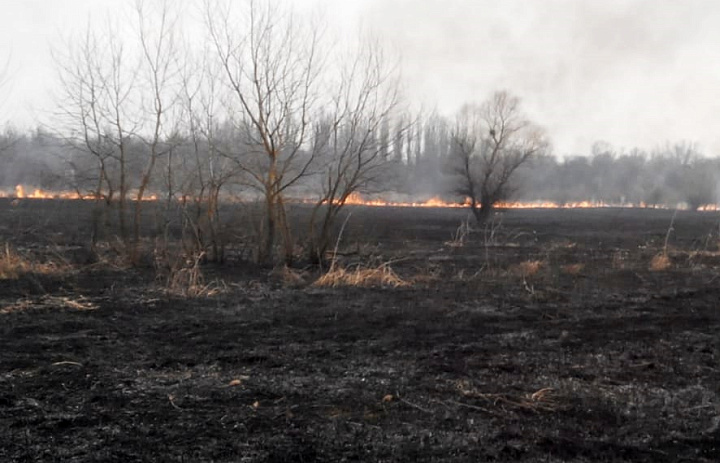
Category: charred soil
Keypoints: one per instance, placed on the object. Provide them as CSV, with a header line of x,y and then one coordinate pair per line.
x,y
553,335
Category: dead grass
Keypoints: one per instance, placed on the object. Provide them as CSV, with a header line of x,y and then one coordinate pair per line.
x,y
14,265
49,302
573,269
527,268
382,276
181,274
660,262
289,277
542,400
461,235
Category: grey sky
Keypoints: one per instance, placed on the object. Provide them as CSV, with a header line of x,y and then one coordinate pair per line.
x,y
631,72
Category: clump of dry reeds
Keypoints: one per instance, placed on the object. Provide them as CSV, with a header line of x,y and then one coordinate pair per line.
x,y
361,276
183,276
14,265
383,276
660,262
461,235
573,269
527,268
11,264
289,277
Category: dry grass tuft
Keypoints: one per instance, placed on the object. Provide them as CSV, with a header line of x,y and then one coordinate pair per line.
x,y
382,276
182,276
49,302
289,277
573,269
542,400
461,235
527,268
14,265
660,262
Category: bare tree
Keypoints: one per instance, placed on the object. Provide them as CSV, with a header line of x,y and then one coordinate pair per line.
x,y
159,69
490,141
206,170
96,115
115,106
271,65
352,140
8,140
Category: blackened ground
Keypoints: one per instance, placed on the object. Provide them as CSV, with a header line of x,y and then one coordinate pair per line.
x,y
547,338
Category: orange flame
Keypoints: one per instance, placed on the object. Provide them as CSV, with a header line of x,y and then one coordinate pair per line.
x,y
356,199
37,193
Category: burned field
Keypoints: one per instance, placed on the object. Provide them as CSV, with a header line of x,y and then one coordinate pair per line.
x,y
547,335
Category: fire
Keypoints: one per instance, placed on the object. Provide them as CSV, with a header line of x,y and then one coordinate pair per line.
x,y
356,199
37,193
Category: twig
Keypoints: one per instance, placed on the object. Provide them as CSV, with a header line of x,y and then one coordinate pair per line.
x,y
67,362
669,231
172,402
337,243
415,406
474,407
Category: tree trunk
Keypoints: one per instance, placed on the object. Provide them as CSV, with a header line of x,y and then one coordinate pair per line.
x,y
268,238
285,231
482,211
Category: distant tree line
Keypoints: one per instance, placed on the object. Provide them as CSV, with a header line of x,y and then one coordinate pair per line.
x,y
667,175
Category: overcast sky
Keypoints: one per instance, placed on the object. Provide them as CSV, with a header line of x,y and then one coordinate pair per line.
x,y
630,72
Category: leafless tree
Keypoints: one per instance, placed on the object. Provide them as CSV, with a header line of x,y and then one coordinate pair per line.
x,y
351,140
114,102
96,116
206,171
8,140
271,66
4,78
159,75
489,142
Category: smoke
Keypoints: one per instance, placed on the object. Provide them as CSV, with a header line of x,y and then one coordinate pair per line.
x,y
633,72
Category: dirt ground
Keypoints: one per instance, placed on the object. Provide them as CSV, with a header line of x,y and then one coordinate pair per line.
x,y
546,336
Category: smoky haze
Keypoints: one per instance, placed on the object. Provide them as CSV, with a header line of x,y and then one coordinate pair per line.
x,y
635,73
629,85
